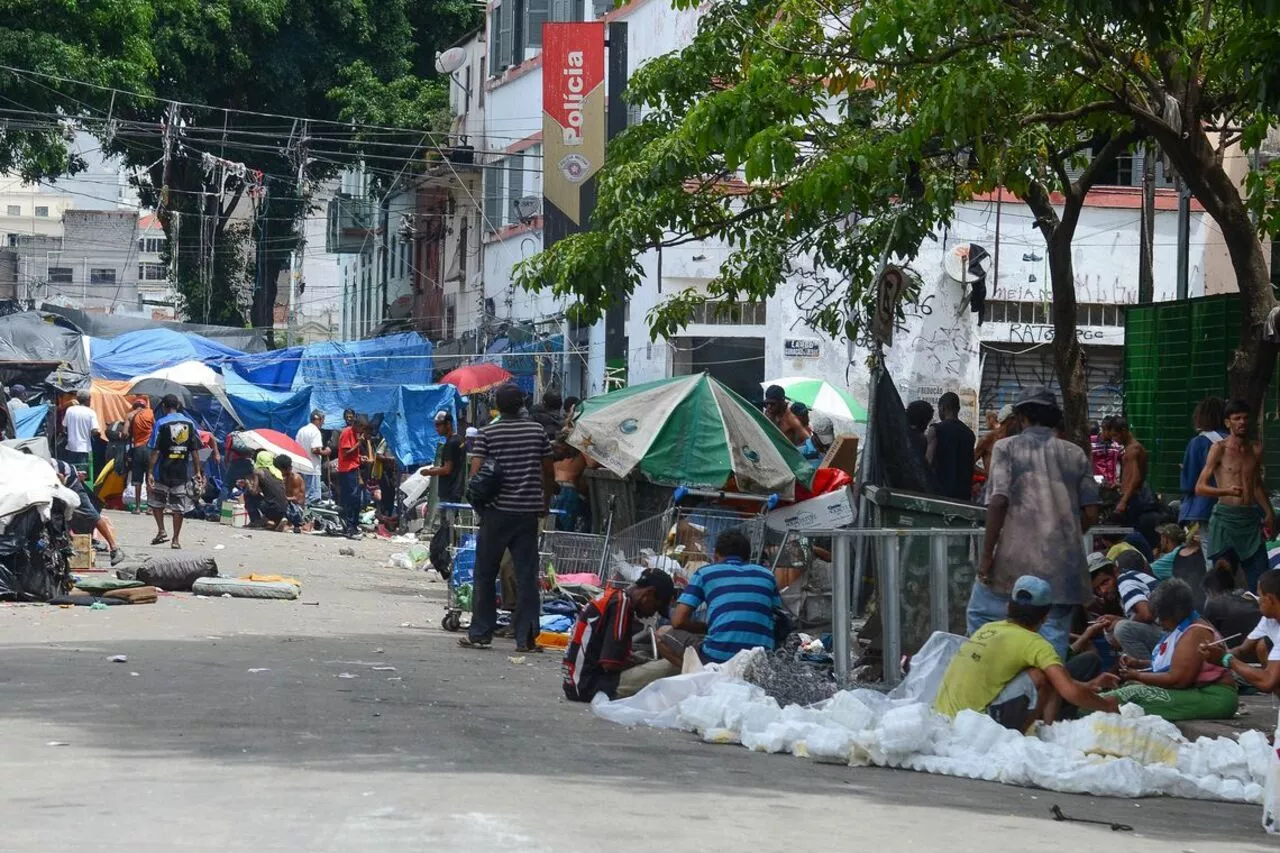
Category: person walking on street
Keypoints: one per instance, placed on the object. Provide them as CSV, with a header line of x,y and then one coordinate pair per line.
x,y
1043,498
350,484
175,450
1235,524
81,425
141,421
950,451
311,439
522,453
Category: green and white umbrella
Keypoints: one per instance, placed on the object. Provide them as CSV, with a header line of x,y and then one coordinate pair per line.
x,y
821,396
691,431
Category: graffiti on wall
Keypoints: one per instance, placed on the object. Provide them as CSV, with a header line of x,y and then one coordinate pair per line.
x,y
1004,372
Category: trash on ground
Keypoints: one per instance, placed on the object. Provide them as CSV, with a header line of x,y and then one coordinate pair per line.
x,y
219,547
259,669
57,743
347,675
347,552
285,588
119,658
384,669
517,659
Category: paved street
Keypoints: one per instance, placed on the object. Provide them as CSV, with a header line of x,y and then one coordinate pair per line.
x,y
184,746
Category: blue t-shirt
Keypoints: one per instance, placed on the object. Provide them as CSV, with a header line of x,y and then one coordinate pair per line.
x,y
740,598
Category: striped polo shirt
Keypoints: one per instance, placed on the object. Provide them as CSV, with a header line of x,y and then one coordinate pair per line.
x,y
519,445
740,598
1135,587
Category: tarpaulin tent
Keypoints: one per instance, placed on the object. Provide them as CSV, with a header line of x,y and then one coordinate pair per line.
x,y
28,421
109,326
254,407
137,353
363,375
39,348
410,427
272,370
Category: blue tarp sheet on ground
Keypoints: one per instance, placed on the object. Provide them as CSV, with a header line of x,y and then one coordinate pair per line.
x,y
28,421
137,353
272,370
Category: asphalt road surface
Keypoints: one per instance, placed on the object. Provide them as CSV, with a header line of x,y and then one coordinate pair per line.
x,y
349,721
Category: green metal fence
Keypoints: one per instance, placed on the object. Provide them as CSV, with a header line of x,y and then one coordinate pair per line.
x,y
1176,354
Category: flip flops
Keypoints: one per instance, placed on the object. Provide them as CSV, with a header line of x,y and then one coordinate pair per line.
x,y
160,539
468,643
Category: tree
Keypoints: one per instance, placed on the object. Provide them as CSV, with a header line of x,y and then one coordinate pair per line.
x,y
819,113
100,42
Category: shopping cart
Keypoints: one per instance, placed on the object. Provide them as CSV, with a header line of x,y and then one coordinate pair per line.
x,y
682,538
463,523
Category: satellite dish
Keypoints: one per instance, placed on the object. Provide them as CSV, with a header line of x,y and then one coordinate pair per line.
x,y
956,262
451,60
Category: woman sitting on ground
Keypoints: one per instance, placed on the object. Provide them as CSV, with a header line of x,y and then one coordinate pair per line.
x,y
1179,684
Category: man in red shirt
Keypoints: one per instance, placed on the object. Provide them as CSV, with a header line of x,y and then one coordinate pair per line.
x,y
350,486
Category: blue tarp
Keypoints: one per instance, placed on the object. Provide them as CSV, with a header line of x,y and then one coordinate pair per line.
x,y
363,375
28,421
138,353
272,370
259,408
410,427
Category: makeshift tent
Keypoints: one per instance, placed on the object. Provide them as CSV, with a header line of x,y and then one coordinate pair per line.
x,y
107,326
109,401
193,374
363,375
273,371
410,427
40,349
254,407
136,353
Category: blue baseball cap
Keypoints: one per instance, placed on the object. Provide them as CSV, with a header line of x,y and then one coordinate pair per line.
x,y
1032,590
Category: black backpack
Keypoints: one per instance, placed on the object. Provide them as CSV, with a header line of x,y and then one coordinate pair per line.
x,y
485,484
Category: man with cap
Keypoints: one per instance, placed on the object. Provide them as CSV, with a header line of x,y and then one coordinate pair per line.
x,y
1125,581
778,410
599,654
17,400
1010,672
1042,499
450,465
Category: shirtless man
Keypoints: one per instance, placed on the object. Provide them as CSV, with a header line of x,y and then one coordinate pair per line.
x,y
1233,475
778,410
1134,462
569,463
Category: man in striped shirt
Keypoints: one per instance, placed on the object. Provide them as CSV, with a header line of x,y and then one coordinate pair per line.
x,y
1126,580
523,454
740,599
599,651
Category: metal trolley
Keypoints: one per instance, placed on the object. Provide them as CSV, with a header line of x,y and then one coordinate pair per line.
x,y
463,523
686,532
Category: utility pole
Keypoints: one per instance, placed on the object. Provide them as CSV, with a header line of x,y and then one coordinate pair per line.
x,y
299,252
1146,275
1184,238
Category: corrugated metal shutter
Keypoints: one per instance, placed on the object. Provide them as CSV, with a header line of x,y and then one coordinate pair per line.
x,y
1007,369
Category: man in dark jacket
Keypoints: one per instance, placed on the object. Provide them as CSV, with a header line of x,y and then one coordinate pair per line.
x,y
548,414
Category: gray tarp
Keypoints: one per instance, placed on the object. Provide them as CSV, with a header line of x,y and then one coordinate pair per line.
x,y
112,325
36,348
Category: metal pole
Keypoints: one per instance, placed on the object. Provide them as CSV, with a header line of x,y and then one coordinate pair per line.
x,y
891,615
1146,273
1184,239
939,593
841,641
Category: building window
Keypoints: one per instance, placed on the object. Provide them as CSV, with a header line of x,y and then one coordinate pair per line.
x,y
493,195
464,247
515,186
60,275
42,211
714,313
536,13
102,275
151,245
404,258
151,272
13,210
1041,313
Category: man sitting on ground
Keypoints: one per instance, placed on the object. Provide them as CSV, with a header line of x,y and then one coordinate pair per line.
x,y
1126,581
295,492
740,598
599,657
1265,634
1010,672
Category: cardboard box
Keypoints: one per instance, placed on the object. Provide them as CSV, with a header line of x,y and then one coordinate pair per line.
x,y
83,545
235,515
834,509
843,454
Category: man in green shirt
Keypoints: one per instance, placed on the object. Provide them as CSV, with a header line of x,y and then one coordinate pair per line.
x,y
1007,670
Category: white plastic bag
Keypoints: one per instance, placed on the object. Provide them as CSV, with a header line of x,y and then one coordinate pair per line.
x,y
927,668
1271,793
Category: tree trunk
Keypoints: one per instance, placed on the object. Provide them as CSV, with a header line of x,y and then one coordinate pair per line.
x,y
1192,153
1068,355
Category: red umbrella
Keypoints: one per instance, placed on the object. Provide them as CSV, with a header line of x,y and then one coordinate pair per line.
x,y
476,377
278,443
